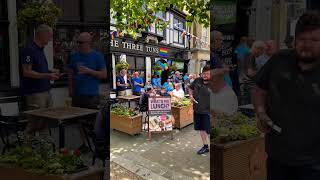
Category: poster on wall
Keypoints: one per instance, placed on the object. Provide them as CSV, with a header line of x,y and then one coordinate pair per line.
x,y
225,12
160,117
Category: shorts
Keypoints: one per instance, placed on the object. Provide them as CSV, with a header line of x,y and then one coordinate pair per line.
x,y
121,93
201,122
39,100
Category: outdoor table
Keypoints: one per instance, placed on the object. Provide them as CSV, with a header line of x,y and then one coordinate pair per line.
x,y
61,115
129,98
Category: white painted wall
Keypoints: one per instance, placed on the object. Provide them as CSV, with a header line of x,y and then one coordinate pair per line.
x,y
48,50
260,20
13,43
148,69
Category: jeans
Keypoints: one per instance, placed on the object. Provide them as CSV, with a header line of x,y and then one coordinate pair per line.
x,y
279,171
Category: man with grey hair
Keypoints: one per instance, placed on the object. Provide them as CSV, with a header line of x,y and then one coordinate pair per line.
x,y
220,69
254,63
36,76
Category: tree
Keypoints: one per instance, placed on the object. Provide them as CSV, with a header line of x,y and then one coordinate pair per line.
x,y
134,16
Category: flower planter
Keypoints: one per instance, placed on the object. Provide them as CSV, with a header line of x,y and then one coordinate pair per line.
x,y
183,116
239,160
129,125
17,173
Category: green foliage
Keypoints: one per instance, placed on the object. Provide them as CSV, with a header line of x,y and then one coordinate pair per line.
x,y
123,111
122,65
185,102
42,159
234,128
36,13
128,12
157,67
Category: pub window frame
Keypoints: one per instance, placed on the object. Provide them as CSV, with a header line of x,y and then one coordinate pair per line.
x,y
176,29
82,25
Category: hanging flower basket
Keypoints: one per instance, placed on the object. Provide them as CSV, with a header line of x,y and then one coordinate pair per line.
x,y
122,65
35,13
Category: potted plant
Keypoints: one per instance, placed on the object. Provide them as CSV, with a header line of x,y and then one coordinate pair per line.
x,y
41,162
35,13
126,120
122,65
182,111
237,149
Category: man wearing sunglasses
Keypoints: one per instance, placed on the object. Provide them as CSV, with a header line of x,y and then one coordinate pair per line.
x,y
87,68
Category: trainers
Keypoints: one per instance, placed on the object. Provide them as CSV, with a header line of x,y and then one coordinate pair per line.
x,y
203,150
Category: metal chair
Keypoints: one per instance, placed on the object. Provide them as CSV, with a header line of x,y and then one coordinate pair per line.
x,y
12,123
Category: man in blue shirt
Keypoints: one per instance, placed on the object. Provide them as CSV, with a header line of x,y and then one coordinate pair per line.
x,y
121,83
137,84
156,82
87,68
36,76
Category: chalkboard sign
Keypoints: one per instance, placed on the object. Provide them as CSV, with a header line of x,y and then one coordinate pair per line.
x,y
225,21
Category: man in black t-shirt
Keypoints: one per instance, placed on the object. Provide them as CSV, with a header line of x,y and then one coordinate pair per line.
x,y
287,94
200,95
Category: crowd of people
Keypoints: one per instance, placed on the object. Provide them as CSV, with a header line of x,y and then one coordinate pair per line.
x,y
285,90
175,86
248,58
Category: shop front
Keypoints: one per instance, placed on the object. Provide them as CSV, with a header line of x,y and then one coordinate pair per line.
x,y
142,57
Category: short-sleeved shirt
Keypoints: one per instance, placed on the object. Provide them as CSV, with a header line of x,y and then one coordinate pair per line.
x,y
293,103
201,94
156,82
34,55
86,85
137,88
121,80
179,94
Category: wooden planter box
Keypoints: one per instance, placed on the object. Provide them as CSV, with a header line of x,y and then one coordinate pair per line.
x,y
183,116
239,160
129,125
16,173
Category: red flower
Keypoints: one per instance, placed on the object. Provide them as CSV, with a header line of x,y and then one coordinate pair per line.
x,y
64,151
77,152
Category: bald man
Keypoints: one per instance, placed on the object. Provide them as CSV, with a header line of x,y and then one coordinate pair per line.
x,y
87,67
137,83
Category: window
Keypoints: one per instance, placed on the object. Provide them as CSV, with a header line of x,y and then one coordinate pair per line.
x,y
64,44
71,24
3,10
178,28
71,9
160,15
4,48
136,64
95,11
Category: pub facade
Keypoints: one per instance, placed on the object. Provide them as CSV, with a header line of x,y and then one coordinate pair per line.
x,y
143,53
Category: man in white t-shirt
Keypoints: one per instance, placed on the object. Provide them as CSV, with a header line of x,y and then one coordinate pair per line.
x,y
178,92
222,100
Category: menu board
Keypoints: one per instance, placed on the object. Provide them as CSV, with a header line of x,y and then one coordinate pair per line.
x,y
224,20
160,117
